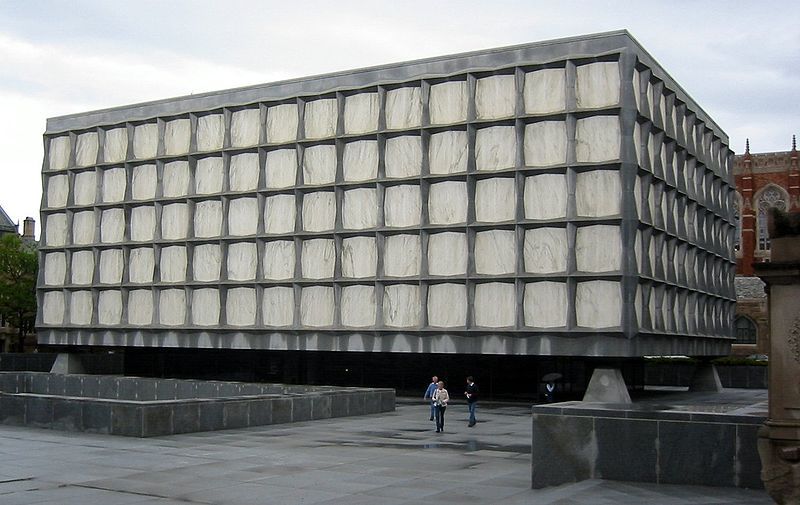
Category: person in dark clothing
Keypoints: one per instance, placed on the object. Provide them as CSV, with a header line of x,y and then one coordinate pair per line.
x,y
471,393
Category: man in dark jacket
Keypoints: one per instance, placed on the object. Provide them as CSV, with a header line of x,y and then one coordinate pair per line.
x,y
471,393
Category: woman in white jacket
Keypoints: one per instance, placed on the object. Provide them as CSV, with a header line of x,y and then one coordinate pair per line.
x,y
440,398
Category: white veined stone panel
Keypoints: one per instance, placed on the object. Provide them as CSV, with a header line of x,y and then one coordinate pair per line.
x,y
319,165
240,307
210,132
59,153
597,139
141,265
116,145
598,248
279,260
401,306
81,307
545,143
361,113
82,267
495,305
53,307
318,258
143,223
242,261
56,232
545,196
359,257
278,306
545,304
360,161
545,250
447,305
598,193
109,307
360,209
447,202
175,180
281,168
86,149
320,118
172,307
598,304
402,206
495,252
448,153
173,264
205,307
545,91
495,97
316,306
208,175
83,227
403,157
55,268
279,214
111,266
319,211
282,123
114,183
174,221
637,143
401,255
403,108
85,188
358,306
207,262
495,200
140,307
145,141
243,216
177,135
597,85
244,171
447,254
143,185
448,102
112,226
57,191
495,148
245,125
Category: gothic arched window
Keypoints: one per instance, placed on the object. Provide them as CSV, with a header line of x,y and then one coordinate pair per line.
x,y
770,197
746,330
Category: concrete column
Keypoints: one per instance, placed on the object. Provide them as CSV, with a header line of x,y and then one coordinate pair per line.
x,y
607,386
66,363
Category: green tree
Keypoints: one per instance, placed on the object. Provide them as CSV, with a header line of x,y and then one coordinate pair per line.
x,y
19,266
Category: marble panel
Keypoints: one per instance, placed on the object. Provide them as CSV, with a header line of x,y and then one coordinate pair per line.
x,y
495,305
318,258
145,141
55,268
174,221
53,307
319,211
401,306
495,148
208,175
282,122
598,304
495,200
109,307
172,307
545,91
545,196
242,261
111,266
317,306
279,260
243,172
545,304
177,136
403,108
360,161
278,306
144,182
85,189
114,184
243,217
207,262
447,305
279,214
597,139
359,257
598,193
81,308
210,132
245,127
402,206
597,85
208,219
319,165
141,265
281,168
143,223
447,253
173,263
361,113
448,102
60,148
448,153
175,179
402,255
598,248
495,97
56,230
447,202
115,146
545,143
360,209
403,156
112,226
140,307
57,191
86,149
82,267
358,306
240,307
205,307
83,227
495,252
320,118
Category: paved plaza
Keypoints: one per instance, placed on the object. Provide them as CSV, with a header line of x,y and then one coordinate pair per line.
x,y
383,459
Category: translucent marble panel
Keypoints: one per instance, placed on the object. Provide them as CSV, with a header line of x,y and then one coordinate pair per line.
x,y
83,227
81,308
173,264
448,153
598,248
545,143
495,305
495,97
86,149
318,258
112,226
320,118
319,165
208,176
206,262
111,266
360,161
447,305
597,139
316,306
59,152
242,261
447,202
401,255
359,257
279,214
597,85
116,145
174,221
282,121
403,108
448,102
143,223
278,306
545,91
145,141
358,306
243,217
175,180
545,250
245,126
495,200
281,168
85,188
403,157
402,206
319,211
360,209
545,196
240,307
598,193
243,172
177,135
114,183
447,254
495,252
172,307
140,307
53,307
55,268
82,267
545,304
598,304
143,185
205,307
57,191
361,113
401,306
56,230
210,132
141,265
279,260
495,148
109,307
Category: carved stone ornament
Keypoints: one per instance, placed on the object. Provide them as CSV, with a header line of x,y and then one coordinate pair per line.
x,y
794,339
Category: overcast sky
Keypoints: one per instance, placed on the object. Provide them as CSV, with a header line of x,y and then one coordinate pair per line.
x,y
739,60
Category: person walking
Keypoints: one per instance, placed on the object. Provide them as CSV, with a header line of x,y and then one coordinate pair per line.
x,y
440,399
429,395
471,392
